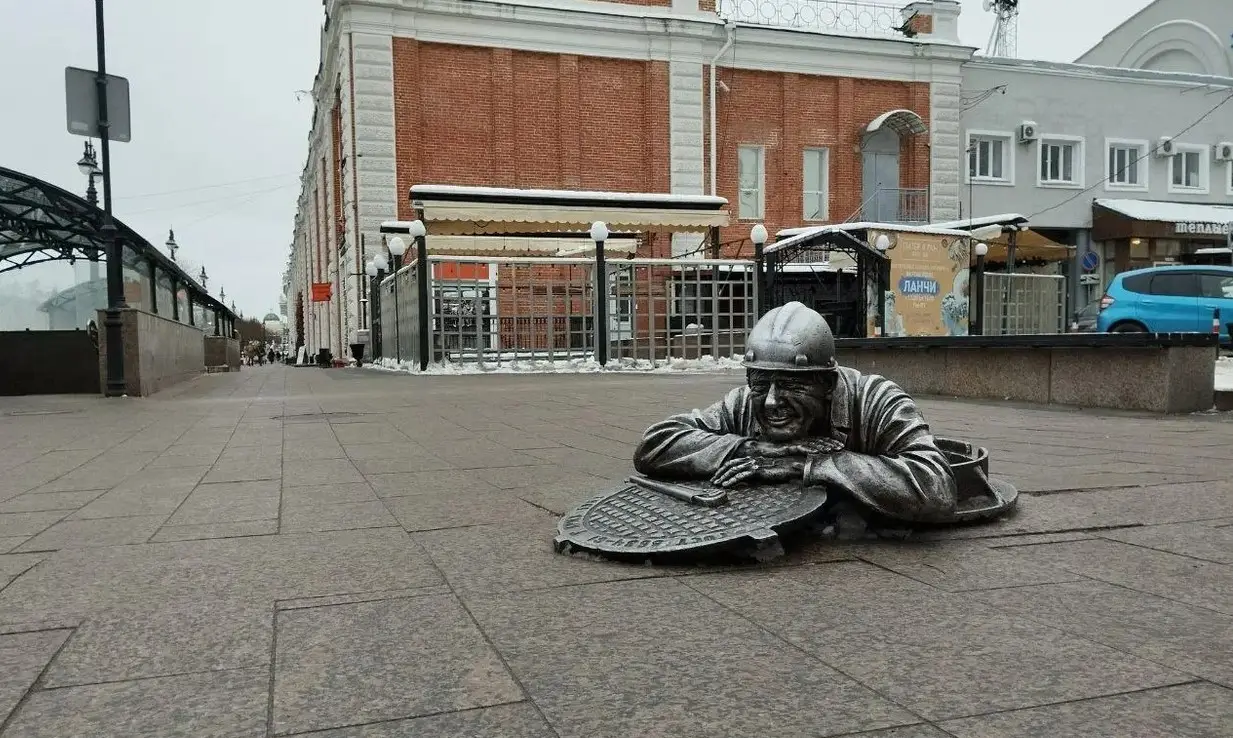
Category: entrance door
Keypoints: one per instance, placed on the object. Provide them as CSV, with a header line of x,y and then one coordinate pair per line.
x,y
880,177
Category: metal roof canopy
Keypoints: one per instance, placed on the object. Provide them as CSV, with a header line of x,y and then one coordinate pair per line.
x,y
41,222
903,122
452,210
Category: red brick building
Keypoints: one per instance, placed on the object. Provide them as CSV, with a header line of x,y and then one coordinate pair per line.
x,y
821,117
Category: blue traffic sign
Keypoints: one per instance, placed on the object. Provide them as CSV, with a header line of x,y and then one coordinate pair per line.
x,y
1090,260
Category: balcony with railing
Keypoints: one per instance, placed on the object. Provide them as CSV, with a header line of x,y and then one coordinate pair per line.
x,y
843,17
901,205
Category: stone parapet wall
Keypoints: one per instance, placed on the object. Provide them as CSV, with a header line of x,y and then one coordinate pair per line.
x,y
158,351
1162,378
222,353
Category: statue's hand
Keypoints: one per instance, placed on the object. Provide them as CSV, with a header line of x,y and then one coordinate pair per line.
x,y
758,469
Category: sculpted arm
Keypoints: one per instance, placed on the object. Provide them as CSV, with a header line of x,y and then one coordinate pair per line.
x,y
694,445
899,470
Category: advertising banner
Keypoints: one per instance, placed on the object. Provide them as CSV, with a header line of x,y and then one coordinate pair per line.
x,y
928,293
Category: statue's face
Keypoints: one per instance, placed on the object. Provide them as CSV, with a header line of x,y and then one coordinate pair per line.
x,y
786,404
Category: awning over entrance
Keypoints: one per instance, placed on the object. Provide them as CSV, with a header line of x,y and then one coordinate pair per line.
x,y
450,210
1121,219
1029,245
902,122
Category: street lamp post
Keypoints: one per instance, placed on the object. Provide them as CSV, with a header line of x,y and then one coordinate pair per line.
x,y
203,277
423,277
599,234
882,244
116,384
397,247
978,323
380,264
758,235
171,243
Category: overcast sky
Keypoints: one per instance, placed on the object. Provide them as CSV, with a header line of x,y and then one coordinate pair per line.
x,y
219,137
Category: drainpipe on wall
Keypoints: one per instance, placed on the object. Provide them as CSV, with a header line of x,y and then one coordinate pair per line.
x,y
730,27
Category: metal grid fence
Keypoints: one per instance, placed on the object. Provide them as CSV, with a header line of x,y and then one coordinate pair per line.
x,y
542,309
1024,304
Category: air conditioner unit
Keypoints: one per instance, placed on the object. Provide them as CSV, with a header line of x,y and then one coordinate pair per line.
x,y
1165,147
1224,151
1028,131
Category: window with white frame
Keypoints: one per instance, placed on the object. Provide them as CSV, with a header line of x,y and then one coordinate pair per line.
x,y
815,183
1188,169
751,176
1127,165
1061,162
989,157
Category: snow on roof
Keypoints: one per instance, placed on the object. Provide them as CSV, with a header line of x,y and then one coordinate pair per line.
x,y
968,224
1169,212
793,236
428,191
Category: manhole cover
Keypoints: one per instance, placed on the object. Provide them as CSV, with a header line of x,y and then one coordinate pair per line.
x,y
631,521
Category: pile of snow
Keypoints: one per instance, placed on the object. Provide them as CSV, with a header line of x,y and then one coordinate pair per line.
x,y
1224,373
563,366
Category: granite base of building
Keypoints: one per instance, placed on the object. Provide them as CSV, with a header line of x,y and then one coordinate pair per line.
x,y
158,352
1164,373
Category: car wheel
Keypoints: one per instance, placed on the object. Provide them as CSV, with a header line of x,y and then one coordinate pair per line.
x,y
1128,328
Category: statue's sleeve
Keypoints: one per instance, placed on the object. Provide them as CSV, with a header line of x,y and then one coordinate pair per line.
x,y
894,466
694,445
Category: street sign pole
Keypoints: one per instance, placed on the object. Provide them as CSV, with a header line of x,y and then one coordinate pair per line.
x,y
116,384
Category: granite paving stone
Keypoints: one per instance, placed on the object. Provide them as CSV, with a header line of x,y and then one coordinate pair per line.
x,y
1185,711
455,509
1189,639
206,531
887,631
1175,577
304,517
519,720
329,493
1069,618
27,523
24,656
49,501
427,482
656,658
99,532
222,704
348,664
229,502
1210,540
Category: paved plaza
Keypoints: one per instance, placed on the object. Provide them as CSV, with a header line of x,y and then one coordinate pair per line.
x,y
355,554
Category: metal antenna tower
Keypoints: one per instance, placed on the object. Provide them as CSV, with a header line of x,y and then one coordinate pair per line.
x,y
1004,38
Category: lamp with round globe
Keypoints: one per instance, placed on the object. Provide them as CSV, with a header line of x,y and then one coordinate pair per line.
x,y
977,325
88,165
417,229
380,262
882,243
397,247
370,268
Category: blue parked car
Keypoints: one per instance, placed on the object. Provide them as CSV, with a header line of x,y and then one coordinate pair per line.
x,y
1172,299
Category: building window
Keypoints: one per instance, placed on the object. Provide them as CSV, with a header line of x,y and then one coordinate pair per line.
x,y
1127,166
1228,178
1061,162
815,183
988,158
751,164
1188,170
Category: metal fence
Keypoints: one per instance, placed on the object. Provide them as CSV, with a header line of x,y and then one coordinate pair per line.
x,y
897,205
543,309
1024,304
848,17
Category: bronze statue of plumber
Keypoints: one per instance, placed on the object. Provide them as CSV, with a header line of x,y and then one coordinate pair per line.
x,y
801,438
800,416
